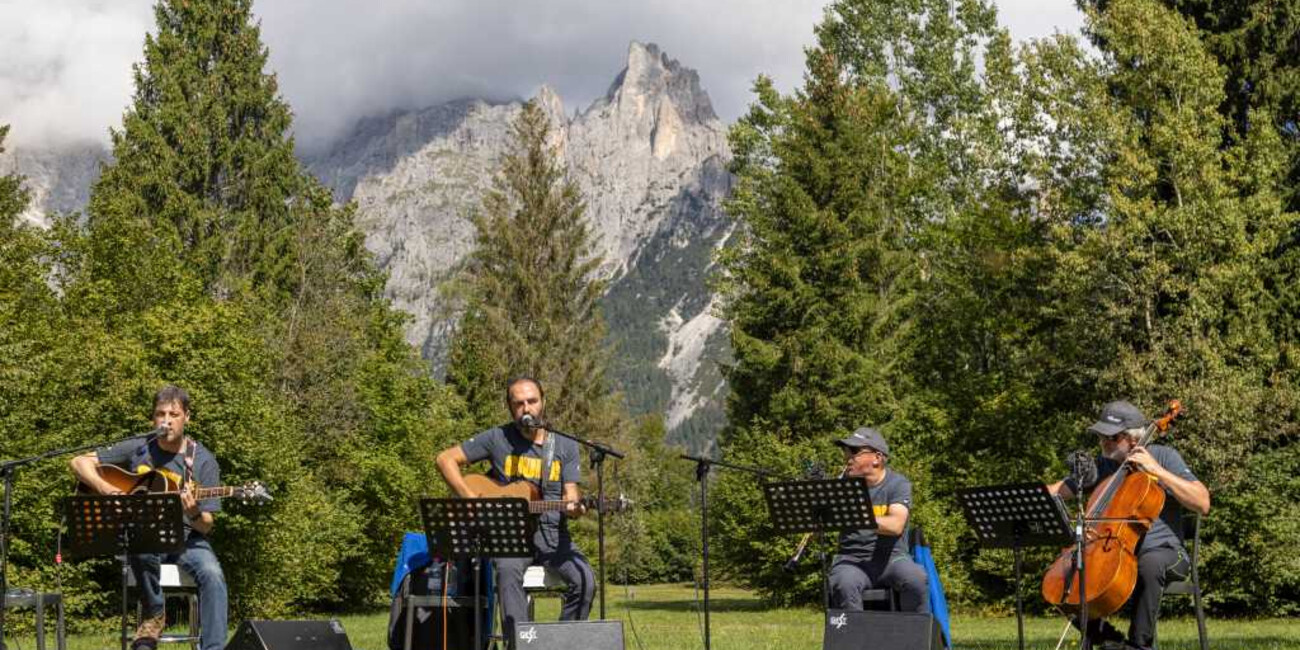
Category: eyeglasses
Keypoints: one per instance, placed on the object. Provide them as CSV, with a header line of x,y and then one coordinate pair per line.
x,y
850,453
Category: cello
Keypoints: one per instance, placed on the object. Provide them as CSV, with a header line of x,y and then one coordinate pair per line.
x,y
1118,514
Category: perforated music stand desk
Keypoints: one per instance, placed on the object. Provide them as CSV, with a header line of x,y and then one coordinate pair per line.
x,y
1015,516
819,506
478,529
125,525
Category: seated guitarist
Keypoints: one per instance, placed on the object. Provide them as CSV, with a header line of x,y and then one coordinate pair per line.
x,y
186,461
517,453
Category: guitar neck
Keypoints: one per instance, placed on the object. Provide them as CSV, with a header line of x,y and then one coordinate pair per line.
x,y
215,492
208,493
538,507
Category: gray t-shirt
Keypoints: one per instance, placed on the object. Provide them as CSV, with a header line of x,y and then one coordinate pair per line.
x,y
1161,532
514,457
144,455
866,545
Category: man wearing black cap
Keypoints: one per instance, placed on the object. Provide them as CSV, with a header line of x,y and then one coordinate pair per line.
x,y
1161,554
877,558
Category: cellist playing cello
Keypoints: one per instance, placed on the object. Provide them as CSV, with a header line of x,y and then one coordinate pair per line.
x,y
1160,553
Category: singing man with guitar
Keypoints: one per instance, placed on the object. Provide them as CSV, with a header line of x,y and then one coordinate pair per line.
x,y
550,463
182,460
1160,554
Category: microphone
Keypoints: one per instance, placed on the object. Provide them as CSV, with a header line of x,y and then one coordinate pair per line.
x,y
813,469
529,421
1083,468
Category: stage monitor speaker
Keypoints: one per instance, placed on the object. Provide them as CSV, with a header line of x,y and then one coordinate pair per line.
x,y
289,635
881,631
569,635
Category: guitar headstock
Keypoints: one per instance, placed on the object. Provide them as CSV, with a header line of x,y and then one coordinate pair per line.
x,y
253,492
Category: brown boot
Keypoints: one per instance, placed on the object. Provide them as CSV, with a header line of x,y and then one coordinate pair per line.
x,y
146,636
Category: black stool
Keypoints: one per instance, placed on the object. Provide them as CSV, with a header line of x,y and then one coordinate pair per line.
x,y
38,601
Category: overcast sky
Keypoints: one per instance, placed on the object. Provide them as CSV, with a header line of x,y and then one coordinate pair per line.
x,y
65,65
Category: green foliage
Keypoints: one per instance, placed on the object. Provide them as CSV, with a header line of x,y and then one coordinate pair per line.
x,y
658,539
836,186
1254,43
210,260
1073,229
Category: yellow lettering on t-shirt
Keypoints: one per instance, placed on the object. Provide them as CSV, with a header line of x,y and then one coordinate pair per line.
x,y
529,467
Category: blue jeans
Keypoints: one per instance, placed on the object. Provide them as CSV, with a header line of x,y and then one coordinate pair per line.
x,y
199,561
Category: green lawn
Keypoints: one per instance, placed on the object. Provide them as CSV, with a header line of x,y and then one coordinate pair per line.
x,y
663,617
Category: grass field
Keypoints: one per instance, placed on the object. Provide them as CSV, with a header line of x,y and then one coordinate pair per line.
x,y
664,617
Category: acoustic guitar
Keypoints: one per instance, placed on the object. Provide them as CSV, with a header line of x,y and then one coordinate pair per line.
x,y
485,486
154,482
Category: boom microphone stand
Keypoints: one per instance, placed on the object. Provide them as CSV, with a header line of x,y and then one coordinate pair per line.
x,y
599,451
702,465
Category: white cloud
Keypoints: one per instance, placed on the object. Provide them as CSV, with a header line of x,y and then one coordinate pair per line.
x,y
65,65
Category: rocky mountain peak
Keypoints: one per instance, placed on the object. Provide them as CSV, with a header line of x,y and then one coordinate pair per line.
x,y
651,75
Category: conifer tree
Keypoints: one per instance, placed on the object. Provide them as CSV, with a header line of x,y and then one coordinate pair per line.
x,y
532,292
204,223
834,185
1172,283
203,174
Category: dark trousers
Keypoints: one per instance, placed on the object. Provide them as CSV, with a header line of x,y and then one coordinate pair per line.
x,y
556,552
850,576
1155,567
199,561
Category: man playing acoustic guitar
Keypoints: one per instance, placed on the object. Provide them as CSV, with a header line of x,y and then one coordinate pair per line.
x,y
188,463
518,452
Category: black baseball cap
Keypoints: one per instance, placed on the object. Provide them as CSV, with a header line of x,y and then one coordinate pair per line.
x,y
865,438
1116,417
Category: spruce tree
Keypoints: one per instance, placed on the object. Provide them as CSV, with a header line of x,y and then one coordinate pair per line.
x,y
203,175
205,223
834,185
532,292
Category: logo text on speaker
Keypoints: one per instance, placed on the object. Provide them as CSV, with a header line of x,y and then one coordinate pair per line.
x,y
528,635
839,621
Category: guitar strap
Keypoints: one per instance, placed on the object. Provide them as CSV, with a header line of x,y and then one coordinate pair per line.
x,y
548,457
190,450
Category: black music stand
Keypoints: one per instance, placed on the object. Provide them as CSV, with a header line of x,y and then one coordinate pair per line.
x,y
124,525
478,529
1015,516
818,506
